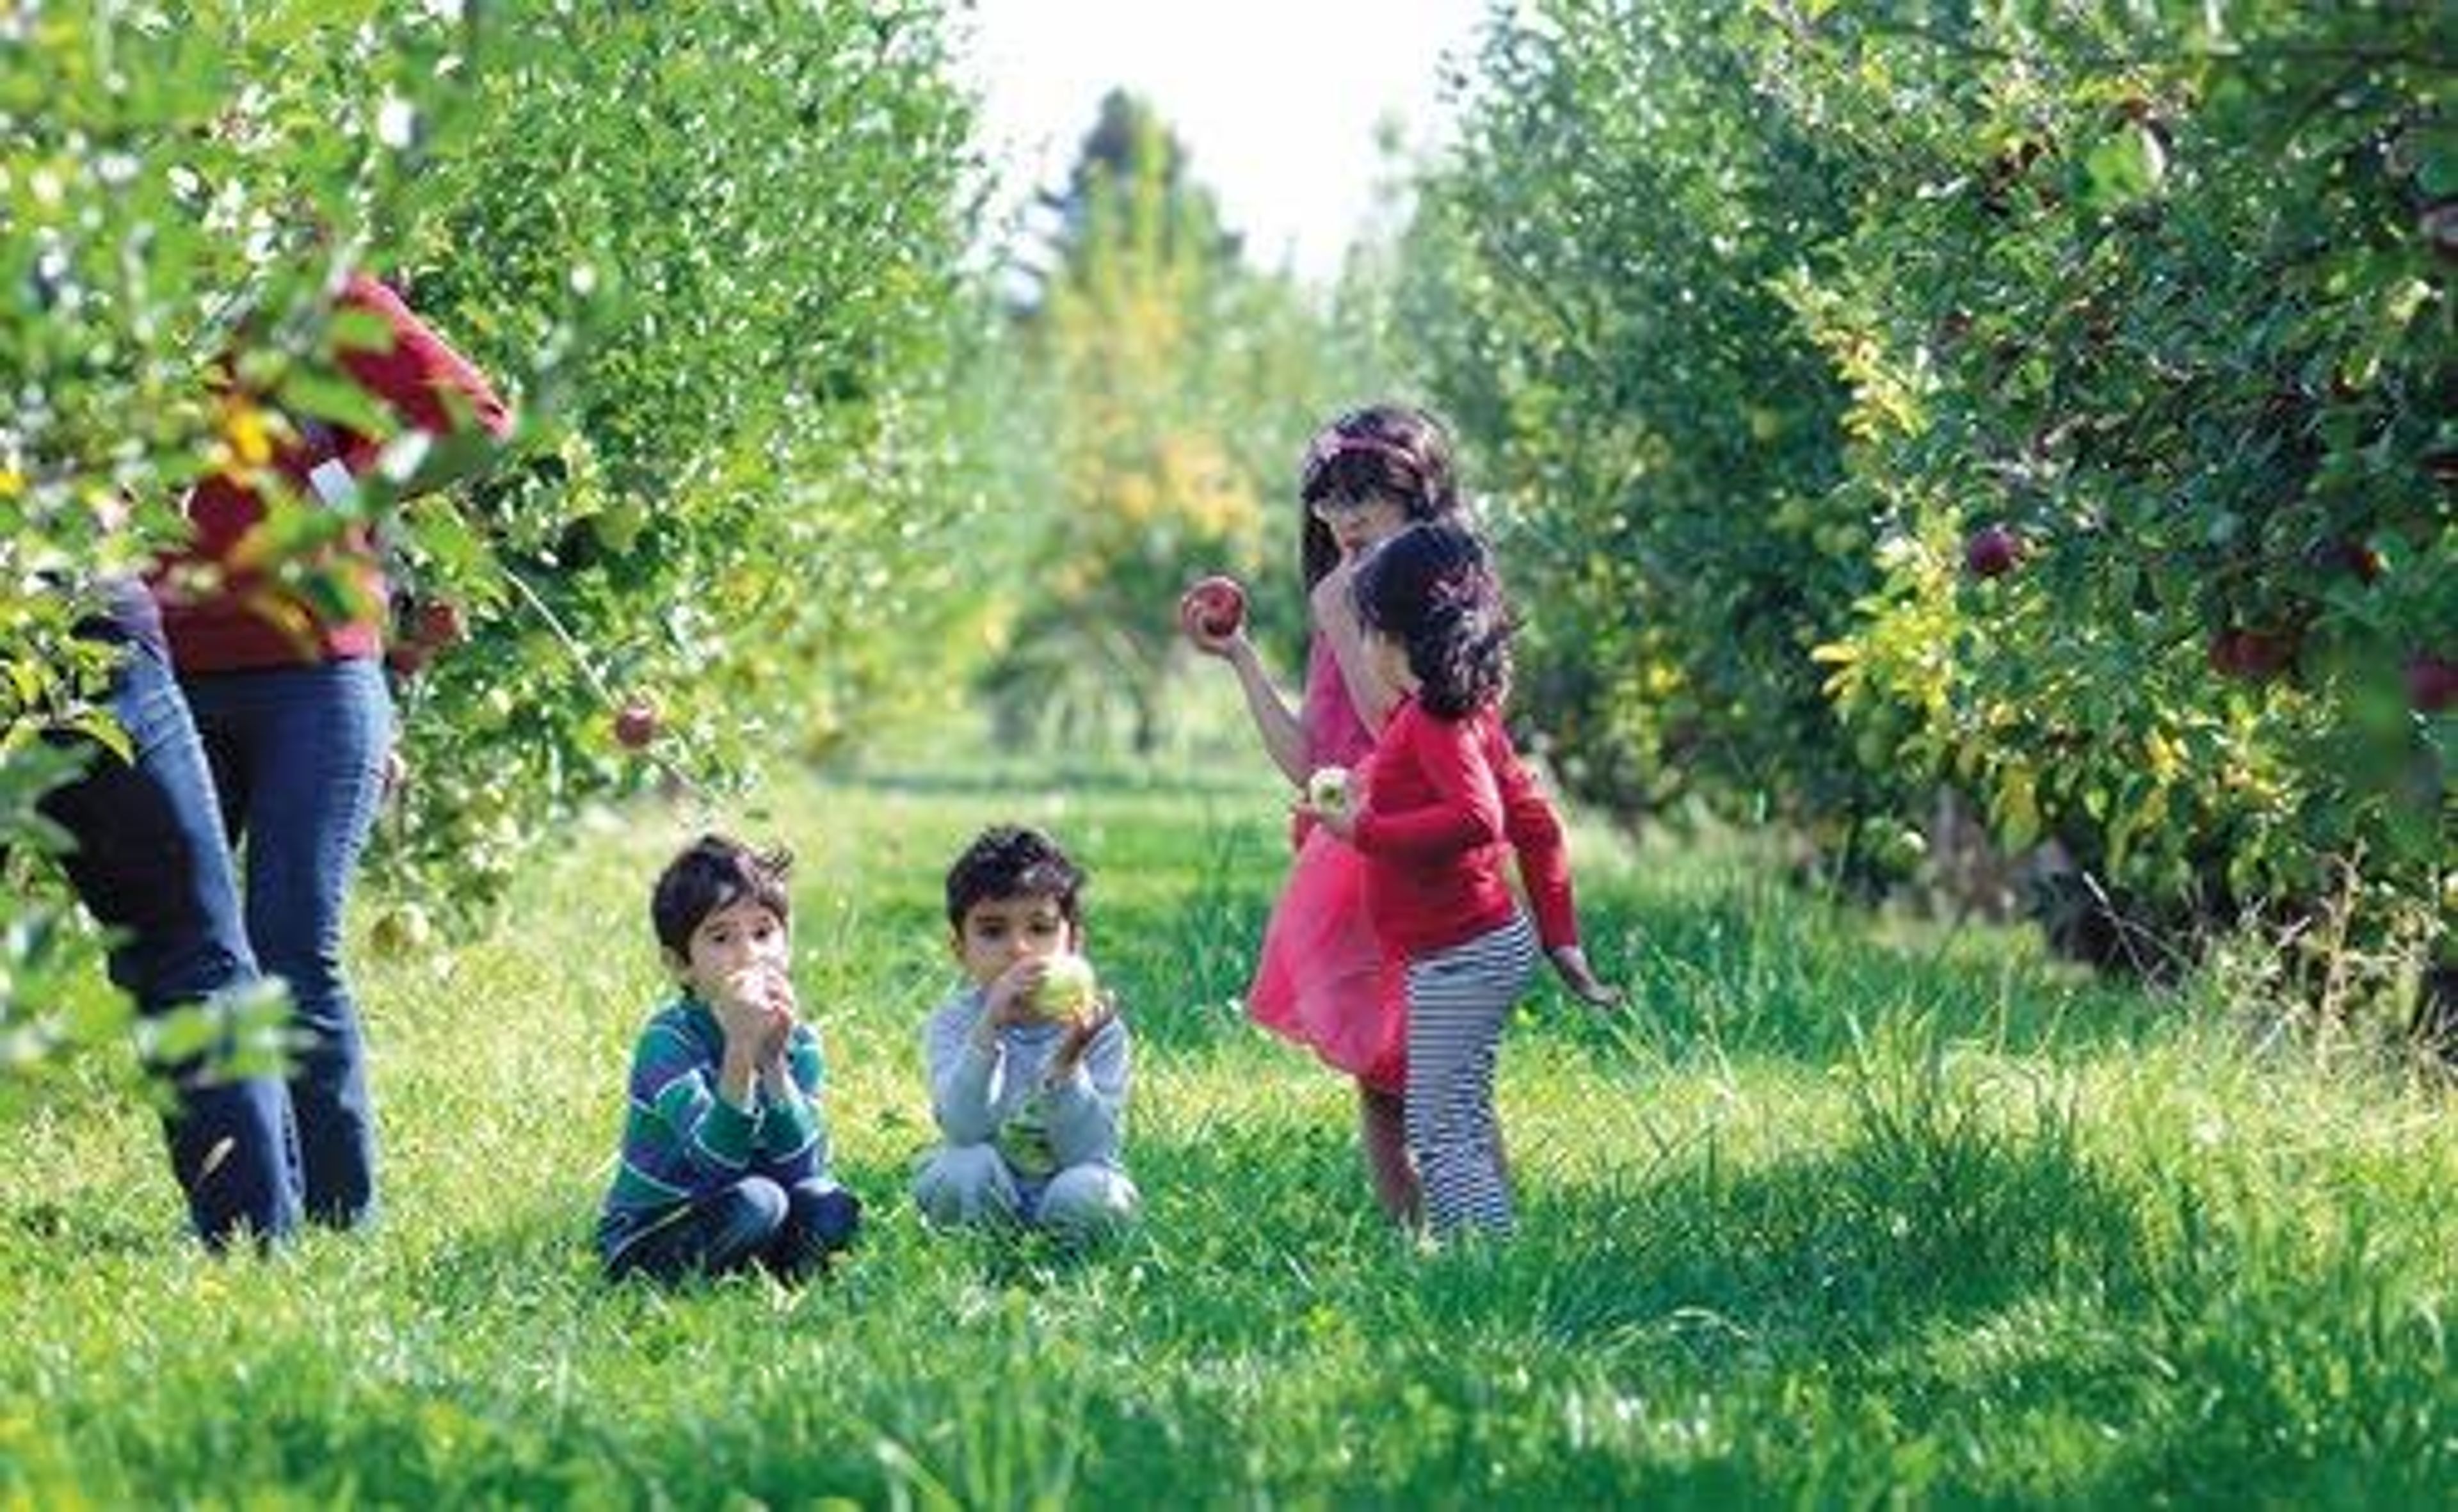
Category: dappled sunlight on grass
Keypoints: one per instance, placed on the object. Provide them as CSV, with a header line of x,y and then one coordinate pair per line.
x,y
1825,1217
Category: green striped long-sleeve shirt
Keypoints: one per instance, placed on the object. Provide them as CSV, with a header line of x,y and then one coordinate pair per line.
x,y
682,1140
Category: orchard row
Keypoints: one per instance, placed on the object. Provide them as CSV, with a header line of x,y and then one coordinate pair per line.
x,y
2044,411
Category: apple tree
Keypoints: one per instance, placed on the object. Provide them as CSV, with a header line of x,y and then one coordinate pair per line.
x,y
2151,339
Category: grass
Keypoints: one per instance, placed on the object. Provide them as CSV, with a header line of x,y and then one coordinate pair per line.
x,y
1832,1216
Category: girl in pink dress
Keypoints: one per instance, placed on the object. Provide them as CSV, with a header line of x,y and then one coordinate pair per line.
x,y
1321,979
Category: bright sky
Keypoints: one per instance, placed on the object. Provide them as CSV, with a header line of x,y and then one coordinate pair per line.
x,y
1276,101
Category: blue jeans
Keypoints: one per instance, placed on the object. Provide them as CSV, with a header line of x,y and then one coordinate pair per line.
x,y
297,760
790,1231
151,863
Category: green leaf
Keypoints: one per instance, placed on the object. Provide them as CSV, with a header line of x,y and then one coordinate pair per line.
x,y
356,330
335,399
2123,168
441,531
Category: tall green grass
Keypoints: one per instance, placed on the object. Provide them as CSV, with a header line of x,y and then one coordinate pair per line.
x,y
1828,1217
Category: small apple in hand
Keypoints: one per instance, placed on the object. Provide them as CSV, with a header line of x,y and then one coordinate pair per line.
x,y
1327,790
1218,606
635,725
1068,987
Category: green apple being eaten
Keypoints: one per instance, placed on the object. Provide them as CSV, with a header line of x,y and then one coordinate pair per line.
x,y
1067,987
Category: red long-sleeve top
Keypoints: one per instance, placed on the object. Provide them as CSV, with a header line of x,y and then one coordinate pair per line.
x,y
1445,802
224,631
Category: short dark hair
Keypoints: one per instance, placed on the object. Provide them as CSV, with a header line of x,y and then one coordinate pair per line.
x,y
715,872
1014,860
1432,589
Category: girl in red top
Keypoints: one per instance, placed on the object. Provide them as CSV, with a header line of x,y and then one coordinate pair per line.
x,y
1321,979
1443,803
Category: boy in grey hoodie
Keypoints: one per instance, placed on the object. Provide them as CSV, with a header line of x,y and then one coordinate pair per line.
x,y
1028,1065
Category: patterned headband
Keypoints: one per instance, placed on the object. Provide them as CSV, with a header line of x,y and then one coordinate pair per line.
x,y
1332,442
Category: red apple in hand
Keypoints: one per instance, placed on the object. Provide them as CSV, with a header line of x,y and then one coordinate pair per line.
x,y
1991,552
635,725
1217,603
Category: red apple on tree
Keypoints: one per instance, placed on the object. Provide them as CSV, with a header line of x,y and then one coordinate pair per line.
x,y
2432,684
1218,606
2439,226
1991,552
2250,654
440,623
2347,554
635,725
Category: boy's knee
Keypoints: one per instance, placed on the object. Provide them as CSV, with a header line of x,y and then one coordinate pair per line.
x,y
965,1184
1085,1201
829,1214
760,1202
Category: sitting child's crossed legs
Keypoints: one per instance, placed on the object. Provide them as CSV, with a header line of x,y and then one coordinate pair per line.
x,y
972,1184
754,1221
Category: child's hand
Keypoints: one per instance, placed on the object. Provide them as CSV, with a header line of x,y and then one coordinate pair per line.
x,y
1191,625
752,1004
1571,961
777,990
740,1006
776,1034
1082,1028
1008,997
1340,821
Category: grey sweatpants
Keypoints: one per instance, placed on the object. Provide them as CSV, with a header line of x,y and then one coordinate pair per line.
x,y
973,1184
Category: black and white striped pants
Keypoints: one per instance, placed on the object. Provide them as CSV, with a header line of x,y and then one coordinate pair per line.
x,y
1458,1000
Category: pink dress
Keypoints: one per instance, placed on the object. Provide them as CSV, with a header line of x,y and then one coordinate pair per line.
x,y
1322,980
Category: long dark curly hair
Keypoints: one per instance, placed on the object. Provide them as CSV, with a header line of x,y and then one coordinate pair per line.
x,y
1432,589
1389,451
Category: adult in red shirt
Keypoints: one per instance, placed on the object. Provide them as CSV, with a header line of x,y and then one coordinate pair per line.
x,y
1446,803
290,701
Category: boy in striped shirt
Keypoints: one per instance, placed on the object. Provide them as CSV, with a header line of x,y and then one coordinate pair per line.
x,y
725,1151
